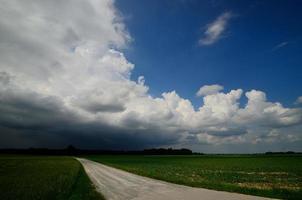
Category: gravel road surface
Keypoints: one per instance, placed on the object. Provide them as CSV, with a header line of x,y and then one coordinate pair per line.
x,y
116,184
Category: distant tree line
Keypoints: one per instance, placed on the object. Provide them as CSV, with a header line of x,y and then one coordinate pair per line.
x,y
168,151
282,152
71,150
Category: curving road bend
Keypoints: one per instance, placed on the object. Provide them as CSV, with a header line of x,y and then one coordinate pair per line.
x,y
116,184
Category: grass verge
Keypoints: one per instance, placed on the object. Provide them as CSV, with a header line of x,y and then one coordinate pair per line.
x,y
83,188
44,177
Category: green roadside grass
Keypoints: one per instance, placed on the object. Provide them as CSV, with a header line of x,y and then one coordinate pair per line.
x,y
261,175
44,177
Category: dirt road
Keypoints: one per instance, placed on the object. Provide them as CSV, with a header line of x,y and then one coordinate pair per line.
x,y
116,184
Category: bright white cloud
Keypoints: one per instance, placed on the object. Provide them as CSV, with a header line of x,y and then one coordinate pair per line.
x,y
208,90
299,100
215,29
62,71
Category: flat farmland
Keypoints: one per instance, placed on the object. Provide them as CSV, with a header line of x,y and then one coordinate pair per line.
x,y
277,176
44,177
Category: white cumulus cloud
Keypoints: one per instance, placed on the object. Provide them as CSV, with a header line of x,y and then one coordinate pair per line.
x,y
208,90
215,29
299,100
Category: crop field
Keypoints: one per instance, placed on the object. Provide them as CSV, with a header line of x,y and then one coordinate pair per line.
x,y
262,175
42,177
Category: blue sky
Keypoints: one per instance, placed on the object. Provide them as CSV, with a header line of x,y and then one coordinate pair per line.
x,y
165,46
213,76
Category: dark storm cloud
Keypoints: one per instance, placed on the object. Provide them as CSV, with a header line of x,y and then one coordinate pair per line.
x,y
31,111
29,119
228,132
99,107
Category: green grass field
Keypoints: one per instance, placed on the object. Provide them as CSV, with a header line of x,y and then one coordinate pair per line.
x,y
270,176
42,177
